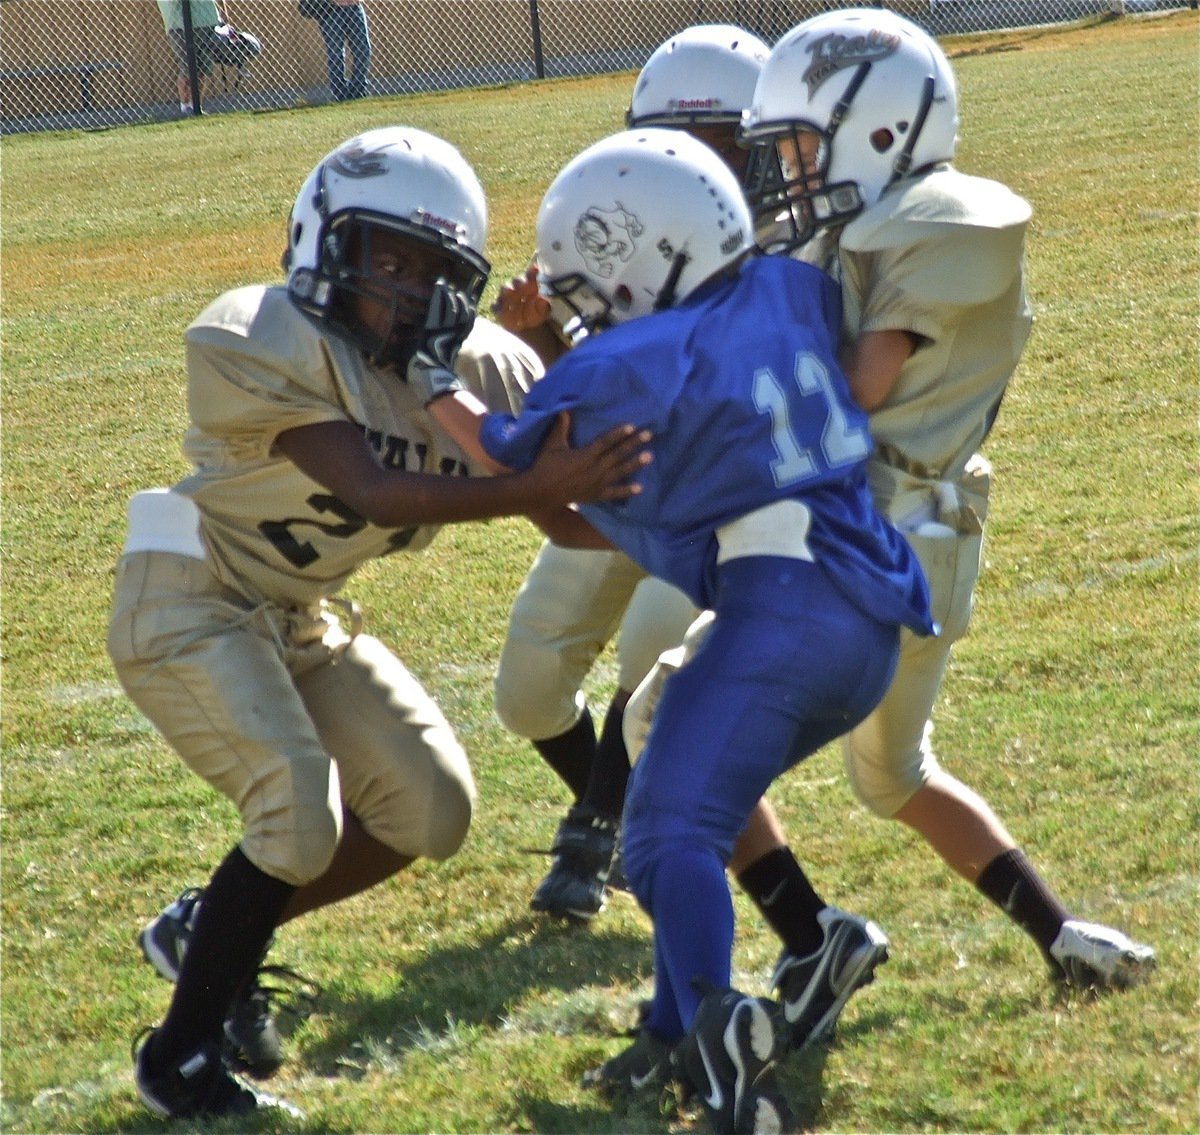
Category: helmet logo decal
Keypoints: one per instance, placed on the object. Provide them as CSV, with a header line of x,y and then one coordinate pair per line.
x,y
682,106
355,160
605,236
835,52
442,224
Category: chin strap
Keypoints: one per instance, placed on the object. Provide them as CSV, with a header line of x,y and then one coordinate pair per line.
x,y
666,294
904,159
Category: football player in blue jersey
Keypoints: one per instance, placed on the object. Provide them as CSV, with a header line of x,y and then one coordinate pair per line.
x,y
756,506
572,602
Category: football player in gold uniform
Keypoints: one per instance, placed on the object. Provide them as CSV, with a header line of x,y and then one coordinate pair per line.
x,y
573,602
312,453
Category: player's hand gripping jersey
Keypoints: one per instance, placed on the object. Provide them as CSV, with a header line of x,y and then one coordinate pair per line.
x,y
258,366
741,388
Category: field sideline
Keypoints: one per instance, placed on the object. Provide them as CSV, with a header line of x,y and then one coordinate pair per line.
x,y
447,1006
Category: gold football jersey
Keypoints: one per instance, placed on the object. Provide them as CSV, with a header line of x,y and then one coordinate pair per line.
x,y
258,366
942,256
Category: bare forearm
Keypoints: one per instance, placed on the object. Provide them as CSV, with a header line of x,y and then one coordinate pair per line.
x,y
430,499
334,455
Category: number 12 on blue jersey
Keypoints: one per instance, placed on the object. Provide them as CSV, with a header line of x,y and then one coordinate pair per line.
x,y
841,442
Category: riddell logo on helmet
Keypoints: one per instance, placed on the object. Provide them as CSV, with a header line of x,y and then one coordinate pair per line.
x,y
433,221
732,243
694,104
835,52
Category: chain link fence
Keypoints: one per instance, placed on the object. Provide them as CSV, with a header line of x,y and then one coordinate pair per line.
x,y
82,64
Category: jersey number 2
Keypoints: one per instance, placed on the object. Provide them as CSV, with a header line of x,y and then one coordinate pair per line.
x,y
302,553
841,443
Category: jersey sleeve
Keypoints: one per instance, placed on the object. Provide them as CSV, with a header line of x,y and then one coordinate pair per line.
x,y
593,386
257,367
497,367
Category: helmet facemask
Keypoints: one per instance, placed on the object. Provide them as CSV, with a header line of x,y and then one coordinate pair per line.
x,y
788,184
576,307
368,291
718,132
383,273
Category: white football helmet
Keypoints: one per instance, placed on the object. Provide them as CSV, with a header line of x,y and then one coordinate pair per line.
x,y
878,94
635,223
706,73
394,179
700,81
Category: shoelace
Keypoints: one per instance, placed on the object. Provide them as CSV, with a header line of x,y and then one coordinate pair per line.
x,y
285,991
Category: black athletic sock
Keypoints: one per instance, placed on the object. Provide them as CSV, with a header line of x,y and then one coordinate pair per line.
x,y
571,754
610,770
238,915
779,888
1013,885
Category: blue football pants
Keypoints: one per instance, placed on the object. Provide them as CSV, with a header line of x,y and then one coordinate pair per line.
x,y
788,666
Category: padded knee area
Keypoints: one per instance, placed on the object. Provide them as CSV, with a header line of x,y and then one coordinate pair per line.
x,y
537,694
422,806
884,781
297,842
450,811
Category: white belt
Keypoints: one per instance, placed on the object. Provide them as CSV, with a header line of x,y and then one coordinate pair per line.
x,y
928,507
163,521
779,529
925,518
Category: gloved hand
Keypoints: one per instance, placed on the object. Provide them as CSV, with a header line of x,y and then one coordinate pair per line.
x,y
451,316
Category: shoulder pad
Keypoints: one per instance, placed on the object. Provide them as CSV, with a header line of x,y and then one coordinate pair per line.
x,y
263,316
942,199
946,238
255,341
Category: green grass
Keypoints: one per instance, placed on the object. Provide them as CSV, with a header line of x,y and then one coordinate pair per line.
x,y
1072,705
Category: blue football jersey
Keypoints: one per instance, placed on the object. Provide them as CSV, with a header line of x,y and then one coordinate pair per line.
x,y
741,388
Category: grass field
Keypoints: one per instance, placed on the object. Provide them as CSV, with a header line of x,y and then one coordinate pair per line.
x,y
447,1006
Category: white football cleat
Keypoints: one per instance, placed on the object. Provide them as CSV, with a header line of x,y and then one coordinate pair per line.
x,y
1094,956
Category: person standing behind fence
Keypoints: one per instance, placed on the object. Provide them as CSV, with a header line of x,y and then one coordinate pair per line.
x,y
206,15
343,25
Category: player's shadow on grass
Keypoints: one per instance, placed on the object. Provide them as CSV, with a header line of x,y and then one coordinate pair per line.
x,y
473,985
482,985
637,1114
800,1076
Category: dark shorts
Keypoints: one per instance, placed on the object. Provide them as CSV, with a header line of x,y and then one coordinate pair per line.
x,y
204,52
